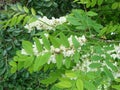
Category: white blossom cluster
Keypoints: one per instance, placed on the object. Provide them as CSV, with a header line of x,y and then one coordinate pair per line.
x,y
116,52
84,66
67,52
43,23
85,63
107,84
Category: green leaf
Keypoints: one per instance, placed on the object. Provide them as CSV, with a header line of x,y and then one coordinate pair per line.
x,y
110,64
115,5
64,84
20,18
13,21
59,60
49,80
26,9
20,65
13,69
19,7
93,3
64,40
78,14
88,4
117,80
95,65
28,47
38,44
20,58
116,87
29,61
32,19
79,84
89,86
98,49
53,76
75,42
31,68
6,25
26,20
91,13
73,20
13,7
33,12
67,62
70,74
76,57
41,60
46,42
108,72
55,42
96,58
100,2
13,64
81,27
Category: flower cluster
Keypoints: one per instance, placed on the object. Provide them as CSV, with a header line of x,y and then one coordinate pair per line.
x,y
116,52
65,51
43,23
84,65
86,61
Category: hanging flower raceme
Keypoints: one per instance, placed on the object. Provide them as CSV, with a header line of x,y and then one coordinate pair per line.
x,y
43,23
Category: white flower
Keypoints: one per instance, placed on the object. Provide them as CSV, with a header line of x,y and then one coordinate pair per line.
x,y
57,50
62,20
62,48
70,40
65,51
43,23
35,49
112,33
46,35
52,59
23,52
68,53
116,75
41,41
115,53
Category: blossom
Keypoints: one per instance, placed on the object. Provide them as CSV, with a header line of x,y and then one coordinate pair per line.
x,y
68,53
43,23
81,40
65,51
52,59
115,53
23,52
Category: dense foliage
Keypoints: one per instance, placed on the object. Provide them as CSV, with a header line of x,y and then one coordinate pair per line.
x,y
60,45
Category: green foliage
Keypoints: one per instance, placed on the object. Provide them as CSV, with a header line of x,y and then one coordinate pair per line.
x,y
90,67
116,5
50,8
20,15
79,84
111,31
90,3
39,61
10,42
104,65
83,22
